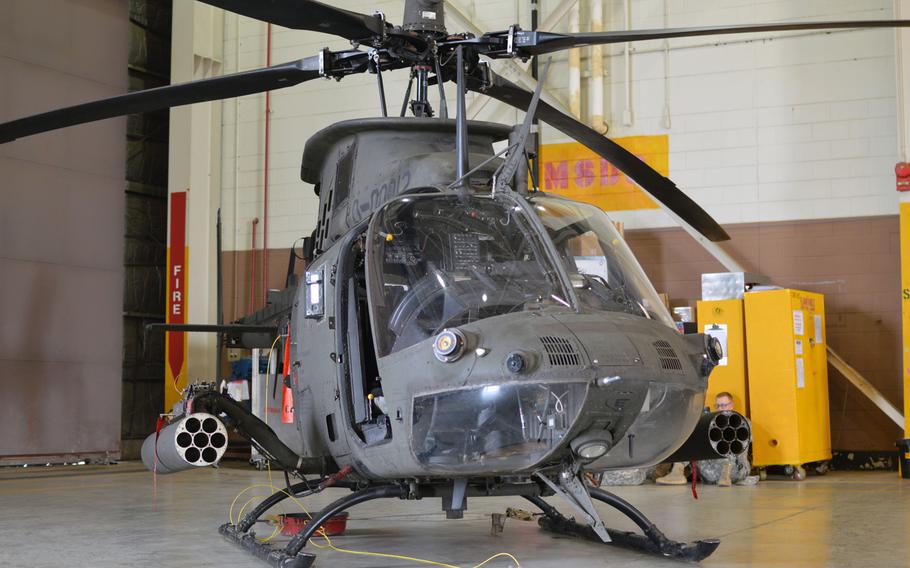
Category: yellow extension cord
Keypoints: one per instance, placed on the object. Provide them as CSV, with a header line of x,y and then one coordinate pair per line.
x,y
321,532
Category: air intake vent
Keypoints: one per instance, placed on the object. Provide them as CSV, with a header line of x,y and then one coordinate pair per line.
x,y
669,361
560,351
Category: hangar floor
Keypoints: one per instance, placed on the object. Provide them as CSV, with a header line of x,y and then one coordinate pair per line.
x,y
116,517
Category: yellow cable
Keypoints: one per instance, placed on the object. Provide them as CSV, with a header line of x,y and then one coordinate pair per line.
x,y
411,558
248,501
265,398
497,555
268,373
395,556
278,526
234,502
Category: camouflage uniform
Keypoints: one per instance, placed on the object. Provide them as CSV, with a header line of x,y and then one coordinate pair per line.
x,y
635,476
709,471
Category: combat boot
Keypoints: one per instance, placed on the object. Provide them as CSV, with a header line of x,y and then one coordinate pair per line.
x,y
725,480
677,475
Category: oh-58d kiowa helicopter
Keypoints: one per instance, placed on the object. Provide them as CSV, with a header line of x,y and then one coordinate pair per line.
x,y
456,335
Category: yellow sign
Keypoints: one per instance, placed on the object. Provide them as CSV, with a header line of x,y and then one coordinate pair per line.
x,y
574,171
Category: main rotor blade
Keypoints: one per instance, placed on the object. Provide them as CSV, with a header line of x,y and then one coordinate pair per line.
x,y
536,43
653,183
306,15
215,88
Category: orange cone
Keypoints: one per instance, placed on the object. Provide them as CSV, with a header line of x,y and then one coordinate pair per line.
x,y
287,406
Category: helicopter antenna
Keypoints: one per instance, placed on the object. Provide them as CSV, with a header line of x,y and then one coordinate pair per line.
x,y
461,122
506,172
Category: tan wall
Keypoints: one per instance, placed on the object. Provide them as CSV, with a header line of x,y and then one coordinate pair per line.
x,y
61,231
236,267
854,262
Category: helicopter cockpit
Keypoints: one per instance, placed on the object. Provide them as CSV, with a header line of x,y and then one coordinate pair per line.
x,y
448,260
537,273
600,265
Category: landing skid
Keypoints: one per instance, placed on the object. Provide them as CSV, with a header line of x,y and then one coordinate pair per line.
x,y
292,555
653,541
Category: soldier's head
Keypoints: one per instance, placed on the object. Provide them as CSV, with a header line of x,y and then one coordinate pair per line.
x,y
723,401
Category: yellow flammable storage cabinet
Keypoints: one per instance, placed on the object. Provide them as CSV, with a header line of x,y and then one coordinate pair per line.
x,y
788,377
724,319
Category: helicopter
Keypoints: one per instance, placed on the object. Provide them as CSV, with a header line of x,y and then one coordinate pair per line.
x,y
457,334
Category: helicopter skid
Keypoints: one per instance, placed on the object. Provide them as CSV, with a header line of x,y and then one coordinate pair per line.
x,y
653,541
657,543
264,552
292,556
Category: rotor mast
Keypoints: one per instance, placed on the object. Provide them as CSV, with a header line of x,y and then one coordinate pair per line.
x,y
425,18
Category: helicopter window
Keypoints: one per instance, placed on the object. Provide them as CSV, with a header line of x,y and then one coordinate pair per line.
x,y
510,427
601,267
442,261
368,411
344,171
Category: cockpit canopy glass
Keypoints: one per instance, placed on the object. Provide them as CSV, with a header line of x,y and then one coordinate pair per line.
x,y
601,268
439,261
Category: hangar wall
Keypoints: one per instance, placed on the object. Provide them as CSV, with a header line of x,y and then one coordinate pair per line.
x,y
854,262
61,232
789,140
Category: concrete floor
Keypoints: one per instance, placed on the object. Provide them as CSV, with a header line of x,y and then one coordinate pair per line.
x,y
116,517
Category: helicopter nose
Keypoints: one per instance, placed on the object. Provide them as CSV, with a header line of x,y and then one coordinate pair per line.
x,y
648,378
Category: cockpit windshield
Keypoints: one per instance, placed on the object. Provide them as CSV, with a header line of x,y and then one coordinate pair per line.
x,y
601,268
442,261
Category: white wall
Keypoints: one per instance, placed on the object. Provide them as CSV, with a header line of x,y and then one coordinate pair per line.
x,y
762,128
791,128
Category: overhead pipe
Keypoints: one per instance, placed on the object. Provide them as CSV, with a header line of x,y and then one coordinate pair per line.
x,y
535,127
667,120
253,265
265,181
236,228
627,58
596,80
574,66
